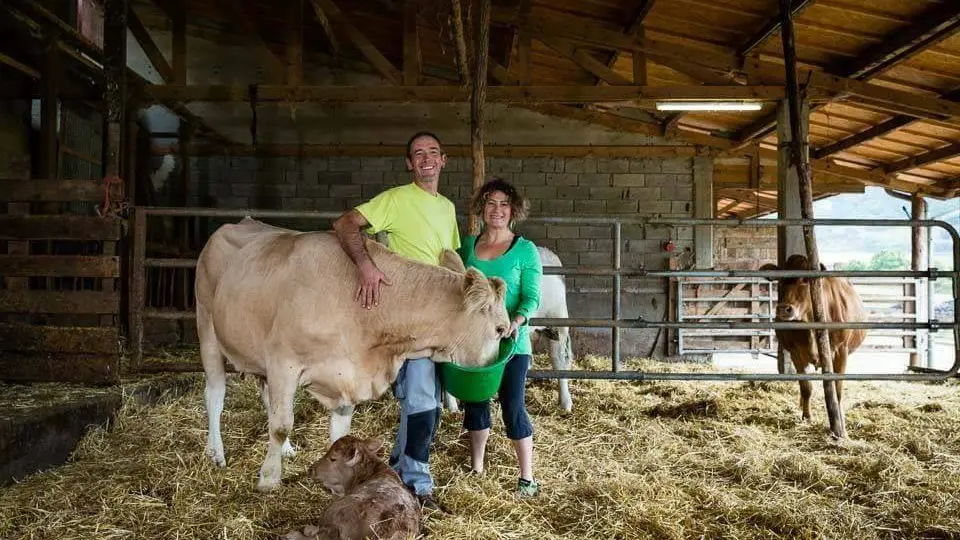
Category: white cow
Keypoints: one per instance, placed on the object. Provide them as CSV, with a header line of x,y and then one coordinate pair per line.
x,y
553,305
280,304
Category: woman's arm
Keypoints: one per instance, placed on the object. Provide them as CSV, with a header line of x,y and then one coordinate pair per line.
x,y
531,274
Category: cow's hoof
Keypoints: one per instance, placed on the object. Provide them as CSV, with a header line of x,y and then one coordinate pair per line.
x,y
287,450
266,485
217,457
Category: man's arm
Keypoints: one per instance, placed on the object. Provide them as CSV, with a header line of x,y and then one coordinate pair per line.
x,y
348,228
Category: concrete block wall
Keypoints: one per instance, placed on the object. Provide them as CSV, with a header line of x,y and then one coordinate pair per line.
x,y
577,187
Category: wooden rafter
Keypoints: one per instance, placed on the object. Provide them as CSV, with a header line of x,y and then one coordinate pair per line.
x,y
940,154
367,49
328,33
571,29
178,62
238,14
634,27
771,27
879,130
149,46
931,28
585,61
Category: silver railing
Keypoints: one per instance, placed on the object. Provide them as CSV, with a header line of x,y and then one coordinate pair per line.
x,y
616,272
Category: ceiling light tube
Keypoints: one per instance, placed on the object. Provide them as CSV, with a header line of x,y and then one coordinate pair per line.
x,y
708,106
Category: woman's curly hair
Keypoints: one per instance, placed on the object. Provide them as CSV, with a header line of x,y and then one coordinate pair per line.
x,y
519,206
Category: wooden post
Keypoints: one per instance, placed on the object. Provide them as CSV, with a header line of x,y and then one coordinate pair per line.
x,y
918,261
477,98
462,61
703,207
49,92
293,73
802,163
179,42
789,239
639,62
412,58
115,69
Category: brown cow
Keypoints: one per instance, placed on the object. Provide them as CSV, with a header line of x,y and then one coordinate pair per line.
x,y
374,502
843,304
280,304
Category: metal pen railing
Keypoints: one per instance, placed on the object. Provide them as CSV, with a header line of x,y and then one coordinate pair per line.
x,y
139,262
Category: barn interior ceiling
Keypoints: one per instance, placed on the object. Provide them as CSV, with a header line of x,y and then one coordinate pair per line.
x,y
882,76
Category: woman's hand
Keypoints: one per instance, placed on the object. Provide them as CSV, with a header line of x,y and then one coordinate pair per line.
x,y
515,325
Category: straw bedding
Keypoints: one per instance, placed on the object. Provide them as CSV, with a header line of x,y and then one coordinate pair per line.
x,y
634,460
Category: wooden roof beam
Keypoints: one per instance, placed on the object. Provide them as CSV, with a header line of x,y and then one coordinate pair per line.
x,y
770,27
367,49
634,27
641,95
585,61
149,46
572,29
934,26
327,28
879,130
940,154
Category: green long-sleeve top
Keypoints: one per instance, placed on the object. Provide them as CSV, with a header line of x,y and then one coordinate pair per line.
x,y
521,269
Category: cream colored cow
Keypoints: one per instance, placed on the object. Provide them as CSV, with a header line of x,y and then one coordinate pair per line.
x,y
280,304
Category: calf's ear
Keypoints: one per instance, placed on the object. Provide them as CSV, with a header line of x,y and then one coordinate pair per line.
x,y
374,444
451,260
352,456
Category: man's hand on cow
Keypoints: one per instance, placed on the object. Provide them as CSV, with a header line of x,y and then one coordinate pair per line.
x,y
368,293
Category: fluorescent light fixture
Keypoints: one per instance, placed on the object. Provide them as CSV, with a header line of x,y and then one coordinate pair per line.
x,y
708,106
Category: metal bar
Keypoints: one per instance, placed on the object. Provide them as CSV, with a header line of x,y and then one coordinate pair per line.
x,y
668,376
641,273
169,314
726,299
615,332
736,325
170,263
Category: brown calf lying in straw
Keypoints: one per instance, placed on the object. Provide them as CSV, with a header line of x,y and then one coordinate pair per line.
x,y
841,304
374,502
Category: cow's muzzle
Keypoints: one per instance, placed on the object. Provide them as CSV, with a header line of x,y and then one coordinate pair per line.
x,y
786,312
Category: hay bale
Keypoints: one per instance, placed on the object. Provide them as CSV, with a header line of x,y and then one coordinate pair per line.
x,y
633,460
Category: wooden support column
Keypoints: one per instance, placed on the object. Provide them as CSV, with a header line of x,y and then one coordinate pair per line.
x,y
918,261
179,23
640,62
703,207
412,59
789,239
115,67
801,161
477,98
462,62
294,51
115,72
49,112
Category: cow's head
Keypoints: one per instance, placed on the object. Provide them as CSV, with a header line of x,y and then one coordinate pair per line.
x,y
794,293
479,325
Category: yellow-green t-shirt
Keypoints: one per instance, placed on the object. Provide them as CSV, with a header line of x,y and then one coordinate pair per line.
x,y
418,225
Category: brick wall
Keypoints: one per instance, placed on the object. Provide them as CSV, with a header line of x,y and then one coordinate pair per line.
x,y
555,187
744,248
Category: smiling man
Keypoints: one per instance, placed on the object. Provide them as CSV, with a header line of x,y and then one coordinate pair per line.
x,y
420,223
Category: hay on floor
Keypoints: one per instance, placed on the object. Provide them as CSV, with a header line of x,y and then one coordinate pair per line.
x,y
633,460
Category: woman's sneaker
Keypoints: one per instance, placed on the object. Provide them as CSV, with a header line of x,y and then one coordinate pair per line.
x,y
528,488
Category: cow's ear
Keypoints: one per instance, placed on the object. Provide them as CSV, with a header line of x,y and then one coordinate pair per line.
x,y
499,287
476,290
823,267
450,260
769,266
374,444
352,456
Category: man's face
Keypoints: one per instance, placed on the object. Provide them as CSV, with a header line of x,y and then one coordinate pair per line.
x,y
426,160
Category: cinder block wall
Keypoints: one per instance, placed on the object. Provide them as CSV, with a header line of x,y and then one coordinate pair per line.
x,y
554,186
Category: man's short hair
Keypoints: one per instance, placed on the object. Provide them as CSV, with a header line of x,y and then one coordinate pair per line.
x,y
419,134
